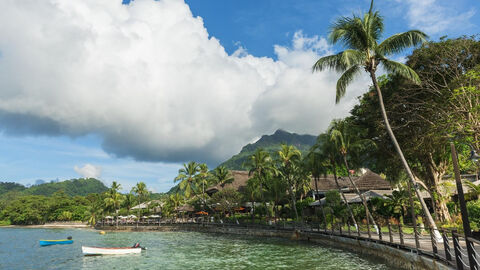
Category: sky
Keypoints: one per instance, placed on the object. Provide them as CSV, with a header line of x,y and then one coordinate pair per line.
x,y
129,91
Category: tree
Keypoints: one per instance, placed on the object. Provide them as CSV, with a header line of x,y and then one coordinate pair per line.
x,y
203,179
289,158
227,200
261,170
313,163
340,134
187,177
221,176
360,36
140,189
329,154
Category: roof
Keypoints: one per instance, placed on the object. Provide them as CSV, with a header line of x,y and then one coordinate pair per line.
x,y
185,208
367,181
240,179
145,205
354,198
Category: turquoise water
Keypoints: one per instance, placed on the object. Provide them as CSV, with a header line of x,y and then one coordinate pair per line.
x,y
19,249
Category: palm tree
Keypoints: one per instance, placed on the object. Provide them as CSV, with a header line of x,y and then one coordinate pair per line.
x,y
313,163
330,155
113,201
290,157
187,176
129,202
203,177
222,176
360,36
176,200
339,134
140,189
261,170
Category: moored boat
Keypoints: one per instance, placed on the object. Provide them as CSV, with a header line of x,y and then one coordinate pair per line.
x,y
55,242
111,250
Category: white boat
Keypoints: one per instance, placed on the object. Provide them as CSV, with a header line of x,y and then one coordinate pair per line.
x,y
110,250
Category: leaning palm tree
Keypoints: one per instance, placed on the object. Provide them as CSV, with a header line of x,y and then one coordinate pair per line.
x,y
342,139
361,35
330,155
187,177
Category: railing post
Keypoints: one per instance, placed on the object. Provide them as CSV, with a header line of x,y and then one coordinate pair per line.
x,y
400,233
456,248
340,227
379,232
333,227
390,232
368,229
434,243
416,233
471,254
446,246
349,230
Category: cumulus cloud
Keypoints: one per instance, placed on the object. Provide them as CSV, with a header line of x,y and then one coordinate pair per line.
x,y
89,171
149,80
434,16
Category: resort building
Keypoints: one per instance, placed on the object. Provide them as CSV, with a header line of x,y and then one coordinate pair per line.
x,y
369,183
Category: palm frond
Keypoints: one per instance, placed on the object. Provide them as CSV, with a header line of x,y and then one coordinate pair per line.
x,y
401,69
330,62
346,78
401,41
350,32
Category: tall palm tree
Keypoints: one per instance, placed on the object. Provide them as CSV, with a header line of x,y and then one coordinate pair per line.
x,y
261,170
113,201
339,134
188,177
129,202
364,52
203,178
289,157
313,163
140,189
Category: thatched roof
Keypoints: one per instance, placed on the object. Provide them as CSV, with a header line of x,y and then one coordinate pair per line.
x,y
185,208
240,179
368,181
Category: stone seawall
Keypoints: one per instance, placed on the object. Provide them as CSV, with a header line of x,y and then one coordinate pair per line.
x,y
394,257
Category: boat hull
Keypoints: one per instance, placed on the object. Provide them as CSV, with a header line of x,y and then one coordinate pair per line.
x,y
110,251
55,242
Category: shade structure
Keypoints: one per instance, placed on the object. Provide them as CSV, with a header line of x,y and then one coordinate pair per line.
x,y
202,213
132,216
109,217
154,216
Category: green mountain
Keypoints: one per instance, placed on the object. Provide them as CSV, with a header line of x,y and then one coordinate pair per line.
x,y
272,144
71,187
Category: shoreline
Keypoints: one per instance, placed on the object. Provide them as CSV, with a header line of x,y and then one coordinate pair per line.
x,y
54,225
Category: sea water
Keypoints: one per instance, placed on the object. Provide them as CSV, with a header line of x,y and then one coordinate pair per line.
x,y
19,249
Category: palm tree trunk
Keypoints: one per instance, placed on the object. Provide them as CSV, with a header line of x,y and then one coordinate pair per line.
x,y
404,161
364,202
321,206
344,198
294,205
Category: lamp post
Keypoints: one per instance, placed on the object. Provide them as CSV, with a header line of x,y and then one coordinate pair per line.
x,y
461,200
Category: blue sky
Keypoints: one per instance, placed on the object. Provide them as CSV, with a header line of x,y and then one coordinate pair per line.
x,y
91,130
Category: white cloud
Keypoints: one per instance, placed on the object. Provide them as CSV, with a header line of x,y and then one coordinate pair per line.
x,y
436,16
147,79
89,171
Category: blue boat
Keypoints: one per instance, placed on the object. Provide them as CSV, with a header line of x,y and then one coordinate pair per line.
x,y
55,242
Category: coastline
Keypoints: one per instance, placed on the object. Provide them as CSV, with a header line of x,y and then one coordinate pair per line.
x,y
53,225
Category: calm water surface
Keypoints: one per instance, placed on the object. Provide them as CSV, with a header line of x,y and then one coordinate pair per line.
x,y
19,249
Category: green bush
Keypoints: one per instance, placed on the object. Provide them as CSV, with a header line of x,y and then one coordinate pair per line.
x,y
473,208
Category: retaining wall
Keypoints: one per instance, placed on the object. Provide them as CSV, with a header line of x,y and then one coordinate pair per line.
x,y
392,256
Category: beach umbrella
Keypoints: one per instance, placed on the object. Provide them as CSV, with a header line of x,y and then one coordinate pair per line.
x,y
201,213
